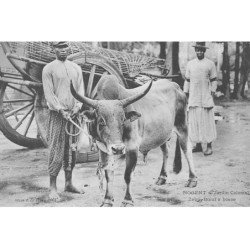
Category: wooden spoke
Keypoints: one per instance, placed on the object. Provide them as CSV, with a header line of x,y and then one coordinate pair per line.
x,y
25,116
29,123
91,80
94,91
16,110
18,100
20,90
31,90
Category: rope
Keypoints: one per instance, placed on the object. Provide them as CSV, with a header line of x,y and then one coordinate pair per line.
x,y
100,175
76,125
79,126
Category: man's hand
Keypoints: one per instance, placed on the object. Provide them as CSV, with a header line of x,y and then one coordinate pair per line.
x,y
65,114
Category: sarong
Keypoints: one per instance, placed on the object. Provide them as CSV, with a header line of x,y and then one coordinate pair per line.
x,y
201,125
60,150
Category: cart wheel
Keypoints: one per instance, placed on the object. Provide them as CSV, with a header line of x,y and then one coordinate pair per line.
x,y
17,115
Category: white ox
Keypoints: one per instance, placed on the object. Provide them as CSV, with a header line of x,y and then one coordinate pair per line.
x,y
126,121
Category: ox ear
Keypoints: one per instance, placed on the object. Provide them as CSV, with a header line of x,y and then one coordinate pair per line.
x,y
132,115
89,116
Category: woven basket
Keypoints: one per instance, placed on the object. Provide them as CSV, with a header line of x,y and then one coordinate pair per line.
x,y
129,64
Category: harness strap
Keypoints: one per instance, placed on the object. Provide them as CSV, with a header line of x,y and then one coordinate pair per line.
x,y
100,174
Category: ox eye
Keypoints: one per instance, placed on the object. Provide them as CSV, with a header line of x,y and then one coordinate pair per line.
x,y
124,119
102,123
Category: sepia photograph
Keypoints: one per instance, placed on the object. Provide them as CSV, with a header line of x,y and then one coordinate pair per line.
x,y
124,124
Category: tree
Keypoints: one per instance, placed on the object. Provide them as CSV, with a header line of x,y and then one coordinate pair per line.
x,y
244,69
162,50
226,72
175,63
236,70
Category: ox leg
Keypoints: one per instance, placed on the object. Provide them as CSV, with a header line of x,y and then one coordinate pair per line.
x,y
186,146
131,160
162,179
109,198
145,158
109,176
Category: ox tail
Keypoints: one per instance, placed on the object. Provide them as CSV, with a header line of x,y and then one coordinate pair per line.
x,y
177,159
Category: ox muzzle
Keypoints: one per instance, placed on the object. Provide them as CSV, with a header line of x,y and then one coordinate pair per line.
x,y
117,149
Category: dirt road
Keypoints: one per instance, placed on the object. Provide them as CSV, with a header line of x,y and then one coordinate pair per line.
x,y
224,177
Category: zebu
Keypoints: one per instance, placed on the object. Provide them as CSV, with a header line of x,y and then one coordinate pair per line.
x,y
126,121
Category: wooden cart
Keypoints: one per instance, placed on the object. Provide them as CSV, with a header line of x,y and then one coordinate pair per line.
x,y
23,109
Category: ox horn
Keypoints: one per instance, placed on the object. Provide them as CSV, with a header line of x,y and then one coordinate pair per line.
x,y
83,99
136,97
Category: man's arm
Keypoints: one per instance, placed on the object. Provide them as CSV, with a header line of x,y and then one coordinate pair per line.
x,y
80,90
213,79
214,85
48,88
187,81
186,85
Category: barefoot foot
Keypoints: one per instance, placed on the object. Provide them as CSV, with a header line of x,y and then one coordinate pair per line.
x,y
72,189
54,196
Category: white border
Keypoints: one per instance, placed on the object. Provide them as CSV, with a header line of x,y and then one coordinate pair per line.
x,y
113,20
123,229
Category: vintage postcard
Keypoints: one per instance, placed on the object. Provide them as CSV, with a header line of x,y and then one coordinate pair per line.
x,y
132,124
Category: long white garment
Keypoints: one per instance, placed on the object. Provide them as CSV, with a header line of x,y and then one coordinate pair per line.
x,y
201,125
201,115
198,85
56,79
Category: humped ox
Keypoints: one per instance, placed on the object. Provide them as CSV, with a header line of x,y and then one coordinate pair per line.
x,y
125,121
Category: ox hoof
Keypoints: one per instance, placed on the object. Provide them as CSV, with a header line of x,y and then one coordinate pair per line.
x,y
191,183
127,203
107,203
161,181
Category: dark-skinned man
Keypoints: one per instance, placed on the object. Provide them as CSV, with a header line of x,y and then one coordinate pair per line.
x,y
200,86
56,77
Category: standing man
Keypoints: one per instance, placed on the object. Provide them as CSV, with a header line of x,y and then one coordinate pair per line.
x,y
56,78
200,86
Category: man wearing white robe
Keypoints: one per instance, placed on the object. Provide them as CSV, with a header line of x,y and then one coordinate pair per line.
x,y
200,86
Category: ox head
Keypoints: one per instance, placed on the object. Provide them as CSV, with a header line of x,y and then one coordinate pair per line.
x,y
111,118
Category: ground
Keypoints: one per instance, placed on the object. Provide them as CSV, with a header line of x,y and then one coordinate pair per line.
x,y
224,177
